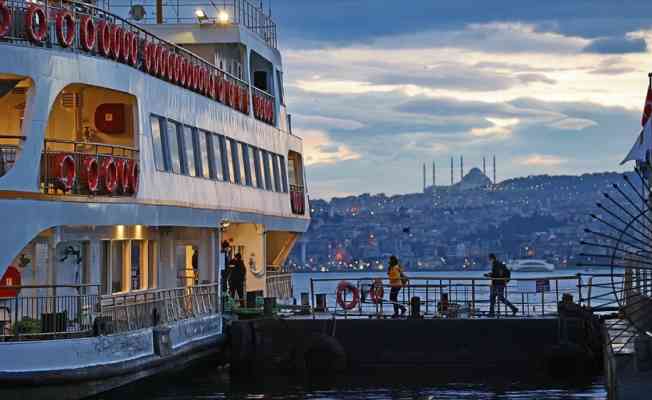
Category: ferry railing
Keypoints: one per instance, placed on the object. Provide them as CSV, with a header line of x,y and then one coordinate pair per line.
x,y
298,199
263,105
79,151
40,312
279,284
8,155
452,297
17,35
144,309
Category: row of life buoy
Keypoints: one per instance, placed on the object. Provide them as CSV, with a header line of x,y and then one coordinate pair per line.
x,y
263,108
107,174
298,202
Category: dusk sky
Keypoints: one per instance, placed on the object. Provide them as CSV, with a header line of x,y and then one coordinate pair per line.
x,y
376,88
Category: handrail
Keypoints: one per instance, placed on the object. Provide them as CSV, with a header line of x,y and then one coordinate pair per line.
x,y
77,142
20,137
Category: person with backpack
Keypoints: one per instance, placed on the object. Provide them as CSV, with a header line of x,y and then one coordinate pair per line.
x,y
397,280
499,275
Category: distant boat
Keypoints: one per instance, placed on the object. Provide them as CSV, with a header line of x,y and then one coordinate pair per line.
x,y
530,265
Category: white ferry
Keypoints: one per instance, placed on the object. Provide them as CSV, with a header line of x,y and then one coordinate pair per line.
x,y
131,155
530,265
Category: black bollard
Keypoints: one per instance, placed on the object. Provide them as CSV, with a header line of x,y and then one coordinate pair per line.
x,y
415,307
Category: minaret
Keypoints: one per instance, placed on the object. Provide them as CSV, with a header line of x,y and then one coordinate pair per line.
x,y
434,174
484,165
424,177
452,171
461,167
495,169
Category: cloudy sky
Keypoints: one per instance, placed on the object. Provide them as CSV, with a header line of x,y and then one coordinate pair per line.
x,y
376,88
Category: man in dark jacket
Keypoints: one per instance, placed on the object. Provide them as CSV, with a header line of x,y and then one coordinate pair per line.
x,y
498,282
237,273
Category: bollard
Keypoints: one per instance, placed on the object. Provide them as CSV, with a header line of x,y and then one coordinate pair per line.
x,y
415,307
268,306
320,305
305,299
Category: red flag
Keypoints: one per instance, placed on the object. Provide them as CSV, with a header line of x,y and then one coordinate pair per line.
x,y
647,108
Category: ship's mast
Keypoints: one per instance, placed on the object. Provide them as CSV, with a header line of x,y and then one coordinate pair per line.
x,y
159,11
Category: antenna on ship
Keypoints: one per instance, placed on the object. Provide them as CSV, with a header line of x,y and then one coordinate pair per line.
x,y
434,174
494,169
159,11
424,177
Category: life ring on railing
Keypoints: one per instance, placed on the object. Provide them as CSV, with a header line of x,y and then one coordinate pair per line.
x,y
134,176
156,59
87,33
122,170
64,171
147,56
221,89
181,66
36,33
108,175
104,35
200,79
377,291
117,37
245,101
5,14
212,93
163,62
91,174
344,287
207,83
127,40
174,63
195,77
65,26
133,55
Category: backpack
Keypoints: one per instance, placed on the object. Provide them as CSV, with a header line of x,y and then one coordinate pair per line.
x,y
505,272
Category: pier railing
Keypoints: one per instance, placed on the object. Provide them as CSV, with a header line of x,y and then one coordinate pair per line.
x,y
460,297
279,284
37,312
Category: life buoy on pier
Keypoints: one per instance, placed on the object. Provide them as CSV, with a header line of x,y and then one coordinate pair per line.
x,y
87,33
104,36
36,30
127,40
64,171
65,26
5,24
108,175
90,174
377,291
344,287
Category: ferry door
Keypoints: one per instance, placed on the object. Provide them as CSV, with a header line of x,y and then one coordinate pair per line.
x,y
187,262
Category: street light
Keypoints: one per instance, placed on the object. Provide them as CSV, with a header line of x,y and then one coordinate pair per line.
x,y
201,15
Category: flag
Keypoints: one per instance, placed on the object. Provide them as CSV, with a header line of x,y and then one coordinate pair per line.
x,y
640,151
647,107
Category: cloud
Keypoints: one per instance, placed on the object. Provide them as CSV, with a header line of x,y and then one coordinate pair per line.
x,y
540,160
616,45
573,124
533,77
500,127
318,148
326,122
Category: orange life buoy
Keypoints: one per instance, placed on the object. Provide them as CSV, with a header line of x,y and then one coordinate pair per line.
x,y
127,40
65,26
64,171
5,24
122,171
245,101
148,58
205,89
104,35
134,172
133,56
181,70
221,89
197,78
156,59
117,37
175,61
90,174
163,62
172,66
108,175
213,83
344,287
38,32
87,33
377,291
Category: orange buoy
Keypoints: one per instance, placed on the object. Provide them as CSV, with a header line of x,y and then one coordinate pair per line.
x,y
36,32
90,174
344,287
133,55
108,175
65,27
64,171
5,24
117,35
104,34
87,33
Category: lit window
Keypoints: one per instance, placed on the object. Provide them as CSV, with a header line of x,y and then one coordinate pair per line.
x,y
252,166
217,164
173,144
284,176
242,166
157,142
268,176
231,173
203,150
273,168
189,151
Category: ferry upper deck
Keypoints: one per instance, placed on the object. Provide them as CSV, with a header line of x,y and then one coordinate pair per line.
x,y
108,121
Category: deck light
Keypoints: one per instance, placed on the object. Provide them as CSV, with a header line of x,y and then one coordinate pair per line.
x,y
201,15
223,17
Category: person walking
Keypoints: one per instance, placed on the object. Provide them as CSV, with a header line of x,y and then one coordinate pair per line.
x,y
397,280
237,277
500,276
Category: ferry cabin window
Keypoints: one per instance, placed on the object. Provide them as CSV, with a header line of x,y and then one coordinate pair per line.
x,y
152,256
261,168
173,144
284,176
269,180
217,158
230,168
260,183
241,178
202,140
277,178
106,267
189,151
252,165
158,143
117,282
279,84
245,170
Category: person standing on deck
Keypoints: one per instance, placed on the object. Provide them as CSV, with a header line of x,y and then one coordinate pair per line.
x,y
500,275
237,277
396,280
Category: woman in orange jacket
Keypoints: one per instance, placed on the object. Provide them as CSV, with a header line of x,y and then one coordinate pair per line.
x,y
396,281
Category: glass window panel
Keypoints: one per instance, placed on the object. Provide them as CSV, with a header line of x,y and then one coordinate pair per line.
x,y
252,166
189,147
260,183
245,171
218,159
173,142
157,142
229,161
277,177
272,174
292,172
203,150
284,176
116,266
135,264
268,176
106,267
279,80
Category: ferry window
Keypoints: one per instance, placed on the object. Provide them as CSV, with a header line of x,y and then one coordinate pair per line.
x,y
245,169
157,142
258,169
136,260
253,170
277,180
279,84
217,157
284,176
173,144
268,176
189,151
239,157
117,284
204,170
230,168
